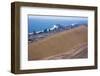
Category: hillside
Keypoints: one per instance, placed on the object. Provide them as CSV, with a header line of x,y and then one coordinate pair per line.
x,y
57,44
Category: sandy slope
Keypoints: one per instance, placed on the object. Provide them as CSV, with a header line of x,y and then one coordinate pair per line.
x,y
58,43
79,51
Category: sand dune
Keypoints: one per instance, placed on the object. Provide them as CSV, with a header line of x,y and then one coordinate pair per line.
x,y
57,44
79,51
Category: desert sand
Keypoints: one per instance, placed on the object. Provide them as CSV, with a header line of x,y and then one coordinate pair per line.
x,y
68,44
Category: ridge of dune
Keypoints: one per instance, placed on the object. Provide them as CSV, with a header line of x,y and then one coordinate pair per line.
x,y
58,43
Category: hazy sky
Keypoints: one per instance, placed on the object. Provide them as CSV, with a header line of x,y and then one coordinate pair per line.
x,y
37,23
